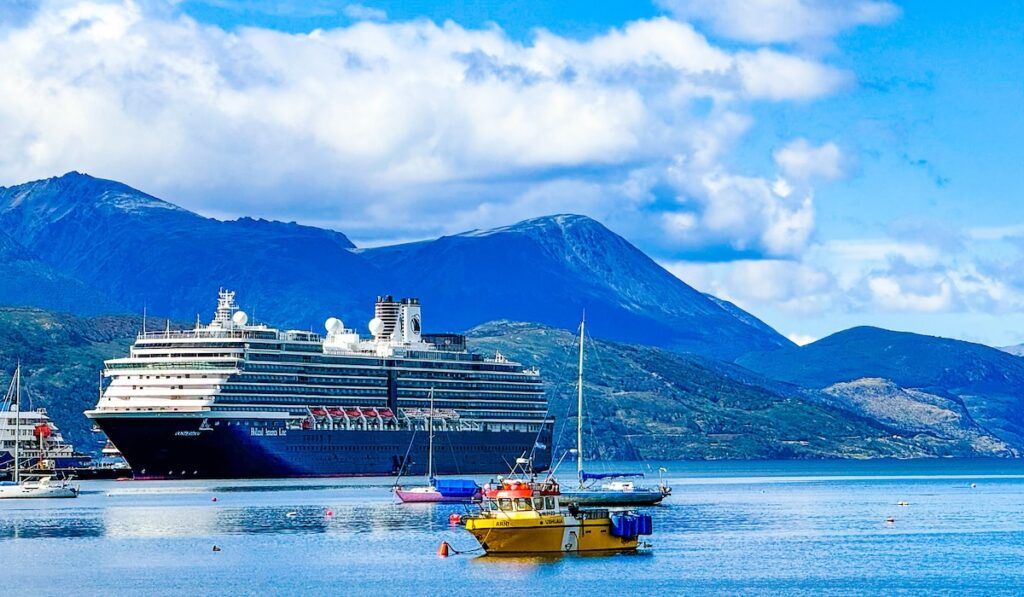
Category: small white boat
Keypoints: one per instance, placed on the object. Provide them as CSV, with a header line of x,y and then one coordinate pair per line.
x,y
31,485
40,487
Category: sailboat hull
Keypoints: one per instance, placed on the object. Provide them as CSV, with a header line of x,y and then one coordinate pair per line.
x,y
612,498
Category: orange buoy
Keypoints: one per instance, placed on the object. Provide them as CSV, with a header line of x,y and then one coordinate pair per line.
x,y
455,518
442,550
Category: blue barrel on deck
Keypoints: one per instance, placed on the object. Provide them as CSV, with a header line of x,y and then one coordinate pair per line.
x,y
631,525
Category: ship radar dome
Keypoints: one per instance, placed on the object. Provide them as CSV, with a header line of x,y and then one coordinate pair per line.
x,y
334,325
376,326
240,318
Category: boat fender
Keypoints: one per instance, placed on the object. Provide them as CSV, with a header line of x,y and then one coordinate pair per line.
x,y
442,550
455,518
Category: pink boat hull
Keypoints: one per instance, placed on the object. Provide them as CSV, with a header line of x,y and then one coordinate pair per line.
x,y
428,497
417,497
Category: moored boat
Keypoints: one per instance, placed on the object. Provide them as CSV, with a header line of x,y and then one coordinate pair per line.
x,y
613,493
437,490
520,516
33,485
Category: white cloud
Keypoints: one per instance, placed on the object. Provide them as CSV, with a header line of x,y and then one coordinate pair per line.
x,y
774,75
380,126
787,285
782,21
360,12
801,339
800,160
890,294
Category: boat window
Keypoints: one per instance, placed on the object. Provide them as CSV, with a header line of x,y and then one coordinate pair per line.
x,y
505,504
538,503
550,502
523,504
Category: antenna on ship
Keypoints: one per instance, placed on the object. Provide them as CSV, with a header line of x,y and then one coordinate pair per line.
x,y
143,319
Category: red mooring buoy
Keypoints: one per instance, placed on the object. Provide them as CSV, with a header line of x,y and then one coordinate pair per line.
x,y
329,513
455,518
442,550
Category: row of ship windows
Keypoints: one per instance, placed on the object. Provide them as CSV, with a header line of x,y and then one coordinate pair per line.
x,y
460,365
184,376
475,402
25,430
330,391
381,373
486,407
303,379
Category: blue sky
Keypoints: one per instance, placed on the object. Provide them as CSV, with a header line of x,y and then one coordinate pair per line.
x,y
822,164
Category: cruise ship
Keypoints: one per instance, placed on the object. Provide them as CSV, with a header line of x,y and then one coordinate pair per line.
x,y
233,399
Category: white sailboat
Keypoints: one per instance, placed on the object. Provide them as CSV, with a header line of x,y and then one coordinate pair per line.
x,y
29,485
611,493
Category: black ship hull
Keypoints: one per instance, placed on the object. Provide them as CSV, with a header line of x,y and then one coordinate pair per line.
x,y
176,447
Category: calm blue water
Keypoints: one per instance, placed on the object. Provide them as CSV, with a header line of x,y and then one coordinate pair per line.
x,y
739,527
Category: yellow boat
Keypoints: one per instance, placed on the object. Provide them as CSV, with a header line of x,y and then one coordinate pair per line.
x,y
523,517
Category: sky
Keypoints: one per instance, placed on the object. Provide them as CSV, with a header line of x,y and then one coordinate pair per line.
x,y
822,164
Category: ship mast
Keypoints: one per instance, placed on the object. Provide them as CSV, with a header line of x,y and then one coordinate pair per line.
x,y
17,423
579,408
430,440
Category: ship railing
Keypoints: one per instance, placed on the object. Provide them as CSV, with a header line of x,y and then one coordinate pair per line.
x,y
264,334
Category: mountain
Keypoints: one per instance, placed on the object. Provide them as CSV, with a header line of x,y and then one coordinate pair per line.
x,y
29,281
987,382
145,251
139,250
641,401
1016,349
61,356
551,269
650,403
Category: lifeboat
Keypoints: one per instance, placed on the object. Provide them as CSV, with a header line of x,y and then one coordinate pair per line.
x,y
353,412
386,413
337,413
318,412
369,412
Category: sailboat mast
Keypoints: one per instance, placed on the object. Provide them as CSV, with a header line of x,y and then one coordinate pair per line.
x,y
17,423
430,440
579,408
